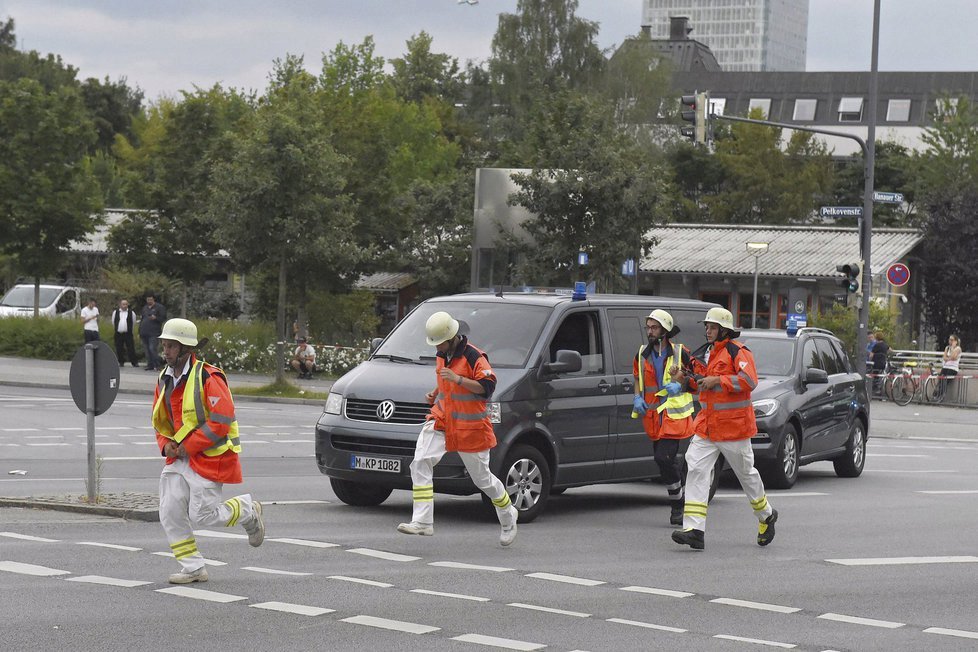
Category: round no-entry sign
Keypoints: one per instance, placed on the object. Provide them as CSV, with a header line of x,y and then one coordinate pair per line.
x,y
898,274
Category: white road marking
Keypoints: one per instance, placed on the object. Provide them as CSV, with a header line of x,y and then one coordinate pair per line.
x,y
464,566
495,641
763,606
306,542
357,580
295,441
756,641
23,430
566,579
893,455
216,534
108,581
51,443
909,471
396,625
665,592
893,561
458,596
963,491
796,494
381,554
298,502
856,620
638,623
27,537
951,632
114,546
288,607
35,436
201,594
549,610
111,443
131,459
272,571
30,569
115,427
256,441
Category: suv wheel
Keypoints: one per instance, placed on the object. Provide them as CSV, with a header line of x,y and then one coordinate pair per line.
x,y
526,476
359,494
783,472
851,464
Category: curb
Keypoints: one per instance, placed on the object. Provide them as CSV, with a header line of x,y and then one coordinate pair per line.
x,y
128,513
143,392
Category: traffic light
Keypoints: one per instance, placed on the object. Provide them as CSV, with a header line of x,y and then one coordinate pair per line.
x,y
853,281
696,114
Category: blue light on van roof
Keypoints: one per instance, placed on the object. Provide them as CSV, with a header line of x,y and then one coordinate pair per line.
x,y
580,291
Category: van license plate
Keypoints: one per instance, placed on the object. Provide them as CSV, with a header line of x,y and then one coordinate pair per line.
x,y
375,464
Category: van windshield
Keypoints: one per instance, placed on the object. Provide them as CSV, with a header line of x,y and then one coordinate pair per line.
x,y
22,296
505,331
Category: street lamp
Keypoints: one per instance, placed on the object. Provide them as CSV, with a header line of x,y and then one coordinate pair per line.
x,y
756,249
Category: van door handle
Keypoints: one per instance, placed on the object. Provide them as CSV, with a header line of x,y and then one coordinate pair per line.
x,y
604,386
627,385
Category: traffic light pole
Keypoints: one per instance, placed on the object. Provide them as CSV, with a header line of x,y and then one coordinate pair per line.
x,y
866,223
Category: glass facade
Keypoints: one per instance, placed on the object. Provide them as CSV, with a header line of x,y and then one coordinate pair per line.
x,y
744,35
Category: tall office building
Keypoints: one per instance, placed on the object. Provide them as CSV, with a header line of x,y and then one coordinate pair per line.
x,y
747,35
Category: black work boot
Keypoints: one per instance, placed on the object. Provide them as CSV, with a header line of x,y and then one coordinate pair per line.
x,y
765,530
676,514
692,538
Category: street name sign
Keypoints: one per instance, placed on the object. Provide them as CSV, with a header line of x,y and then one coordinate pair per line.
x,y
888,197
841,211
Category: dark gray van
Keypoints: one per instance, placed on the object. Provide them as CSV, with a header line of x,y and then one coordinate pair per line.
x,y
562,406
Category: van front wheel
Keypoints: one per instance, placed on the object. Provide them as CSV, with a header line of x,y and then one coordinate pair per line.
x,y
526,476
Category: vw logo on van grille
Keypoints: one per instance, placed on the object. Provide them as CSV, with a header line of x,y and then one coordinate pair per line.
x,y
385,410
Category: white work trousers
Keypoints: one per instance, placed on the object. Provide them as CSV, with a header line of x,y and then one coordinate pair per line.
x,y
188,500
700,458
428,452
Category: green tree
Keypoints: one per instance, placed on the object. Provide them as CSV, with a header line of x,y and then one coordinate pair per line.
x,y
278,197
113,105
765,184
892,172
48,196
947,174
594,188
422,74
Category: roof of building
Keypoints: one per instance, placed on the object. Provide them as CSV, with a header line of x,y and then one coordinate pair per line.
x,y
794,251
386,281
96,242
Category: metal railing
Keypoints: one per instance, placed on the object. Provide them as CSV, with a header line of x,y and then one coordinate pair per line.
x,y
962,390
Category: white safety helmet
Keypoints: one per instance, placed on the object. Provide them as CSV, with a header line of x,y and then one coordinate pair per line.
x,y
440,327
720,317
180,330
664,319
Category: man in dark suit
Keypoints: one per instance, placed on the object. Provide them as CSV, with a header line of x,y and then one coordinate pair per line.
x,y
150,327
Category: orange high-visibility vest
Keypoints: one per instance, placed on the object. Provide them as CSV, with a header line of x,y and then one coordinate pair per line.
x,y
727,413
459,413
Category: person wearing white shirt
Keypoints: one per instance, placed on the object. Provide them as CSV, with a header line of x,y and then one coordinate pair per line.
x,y
122,328
89,317
304,358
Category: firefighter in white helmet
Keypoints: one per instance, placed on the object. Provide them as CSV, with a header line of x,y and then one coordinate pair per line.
x,y
724,425
664,405
458,421
196,428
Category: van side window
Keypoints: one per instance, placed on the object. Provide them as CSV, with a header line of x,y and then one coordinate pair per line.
x,y
580,332
627,334
66,302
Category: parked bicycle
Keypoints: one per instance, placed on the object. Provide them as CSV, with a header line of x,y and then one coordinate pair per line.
x,y
901,387
935,387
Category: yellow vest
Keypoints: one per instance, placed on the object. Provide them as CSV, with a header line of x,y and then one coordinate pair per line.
x,y
195,415
677,407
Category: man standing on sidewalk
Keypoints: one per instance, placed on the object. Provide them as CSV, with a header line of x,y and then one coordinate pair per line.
x,y
150,326
196,428
89,317
724,425
458,422
122,327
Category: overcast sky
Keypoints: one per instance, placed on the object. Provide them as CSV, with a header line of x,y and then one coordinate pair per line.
x,y
165,46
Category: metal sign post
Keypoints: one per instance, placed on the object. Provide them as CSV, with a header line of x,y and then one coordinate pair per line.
x,y
90,416
94,382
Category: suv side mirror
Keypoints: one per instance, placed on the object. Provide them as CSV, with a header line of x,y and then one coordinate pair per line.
x,y
567,362
374,343
816,377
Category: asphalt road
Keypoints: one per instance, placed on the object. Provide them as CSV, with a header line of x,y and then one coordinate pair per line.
x,y
881,562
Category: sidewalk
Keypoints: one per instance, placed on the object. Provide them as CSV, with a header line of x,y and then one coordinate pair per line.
x,y
25,372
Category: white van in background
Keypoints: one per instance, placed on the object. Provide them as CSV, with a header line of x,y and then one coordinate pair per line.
x,y
55,301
